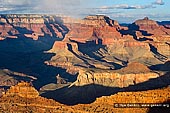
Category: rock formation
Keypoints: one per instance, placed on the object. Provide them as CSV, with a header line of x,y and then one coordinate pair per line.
x,y
22,90
146,22
120,78
94,56
94,28
10,78
60,80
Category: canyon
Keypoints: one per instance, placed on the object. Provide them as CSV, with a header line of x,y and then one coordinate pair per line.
x,y
82,65
19,101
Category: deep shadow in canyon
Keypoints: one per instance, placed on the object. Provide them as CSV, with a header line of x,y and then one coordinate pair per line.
x,y
27,56
90,48
80,94
132,28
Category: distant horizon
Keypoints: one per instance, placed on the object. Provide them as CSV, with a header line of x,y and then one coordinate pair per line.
x,y
81,18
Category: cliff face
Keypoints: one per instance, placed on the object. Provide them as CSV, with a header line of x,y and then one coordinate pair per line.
x,y
120,78
113,79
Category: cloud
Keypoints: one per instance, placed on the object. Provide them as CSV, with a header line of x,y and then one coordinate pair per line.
x,y
17,6
159,2
61,6
65,7
126,6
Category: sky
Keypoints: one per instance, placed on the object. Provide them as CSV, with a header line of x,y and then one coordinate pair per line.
x,y
124,11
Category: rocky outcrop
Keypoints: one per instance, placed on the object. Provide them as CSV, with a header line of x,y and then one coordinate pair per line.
x,y
139,68
101,45
99,30
23,90
160,48
100,20
7,80
66,56
146,22
106,34
114,79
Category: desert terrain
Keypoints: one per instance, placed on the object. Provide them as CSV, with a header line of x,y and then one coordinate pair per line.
x,y
51,63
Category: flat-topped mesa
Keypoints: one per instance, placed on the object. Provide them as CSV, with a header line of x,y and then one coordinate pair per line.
x,y
95,17
22,89
92,20
150,27
146,22
100,20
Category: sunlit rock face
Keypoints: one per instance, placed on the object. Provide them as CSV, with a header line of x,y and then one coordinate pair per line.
x,y
23,96
24,90
121,78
